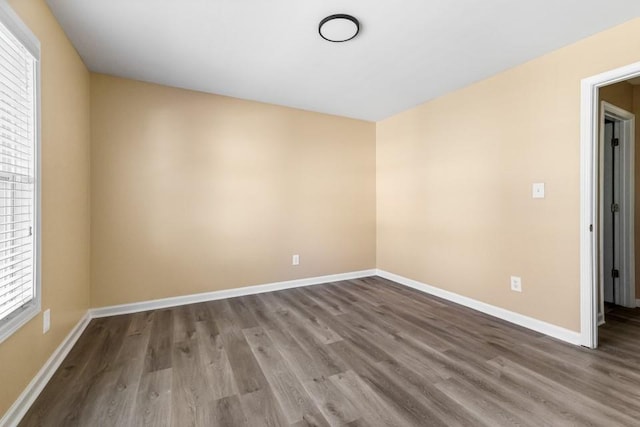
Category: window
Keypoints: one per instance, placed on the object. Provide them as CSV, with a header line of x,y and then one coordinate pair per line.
x,y
19,151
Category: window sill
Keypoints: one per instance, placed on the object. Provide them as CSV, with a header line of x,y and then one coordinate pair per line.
x,y
18,319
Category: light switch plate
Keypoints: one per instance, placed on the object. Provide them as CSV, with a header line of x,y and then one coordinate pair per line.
x,y
538,190
295,260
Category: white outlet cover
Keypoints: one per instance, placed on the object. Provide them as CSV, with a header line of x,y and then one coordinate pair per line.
x,y
46,321
516,284
295,260
538,190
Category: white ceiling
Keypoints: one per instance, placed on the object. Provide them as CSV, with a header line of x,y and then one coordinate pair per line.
x,y
407,52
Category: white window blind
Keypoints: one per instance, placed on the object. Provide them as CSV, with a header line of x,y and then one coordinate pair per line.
x,y
17,174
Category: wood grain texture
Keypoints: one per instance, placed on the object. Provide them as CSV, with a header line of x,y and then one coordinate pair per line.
x,y
365,352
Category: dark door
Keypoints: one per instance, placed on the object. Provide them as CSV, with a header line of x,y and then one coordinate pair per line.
x,y
611,215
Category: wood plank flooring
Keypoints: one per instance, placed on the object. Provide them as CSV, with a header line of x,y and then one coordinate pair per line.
x,y
364,352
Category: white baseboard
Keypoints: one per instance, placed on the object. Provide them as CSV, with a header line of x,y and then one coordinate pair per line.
x,y
227,293
20,407
510,316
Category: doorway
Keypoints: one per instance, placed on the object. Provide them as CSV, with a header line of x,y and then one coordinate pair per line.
x,y
592,267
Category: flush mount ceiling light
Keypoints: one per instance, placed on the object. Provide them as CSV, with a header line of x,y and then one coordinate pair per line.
x,y
339,28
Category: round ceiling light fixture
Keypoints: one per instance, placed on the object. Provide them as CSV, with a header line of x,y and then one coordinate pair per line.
x,y
339,28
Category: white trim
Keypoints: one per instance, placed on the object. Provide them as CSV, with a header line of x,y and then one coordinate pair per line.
x,y
510,316
638,303
22,404
589,116
588,283
601,320
222,294
19,318
19,29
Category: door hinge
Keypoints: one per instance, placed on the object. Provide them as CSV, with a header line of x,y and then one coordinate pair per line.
x,y
615,142
615,207
615,273
591,227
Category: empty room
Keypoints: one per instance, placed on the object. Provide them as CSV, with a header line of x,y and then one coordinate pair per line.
x,y
321,213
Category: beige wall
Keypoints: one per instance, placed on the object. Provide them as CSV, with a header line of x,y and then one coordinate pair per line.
x,y
65,203
194,192
627,97
454,182
619,94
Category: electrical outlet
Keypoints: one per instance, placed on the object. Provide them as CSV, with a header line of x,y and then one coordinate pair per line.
x,y
537,190
516,284
46,321
295,260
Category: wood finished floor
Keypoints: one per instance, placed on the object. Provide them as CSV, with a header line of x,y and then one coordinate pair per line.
x,y
364,352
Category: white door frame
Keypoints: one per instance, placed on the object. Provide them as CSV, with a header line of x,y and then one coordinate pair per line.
x,y
589,165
